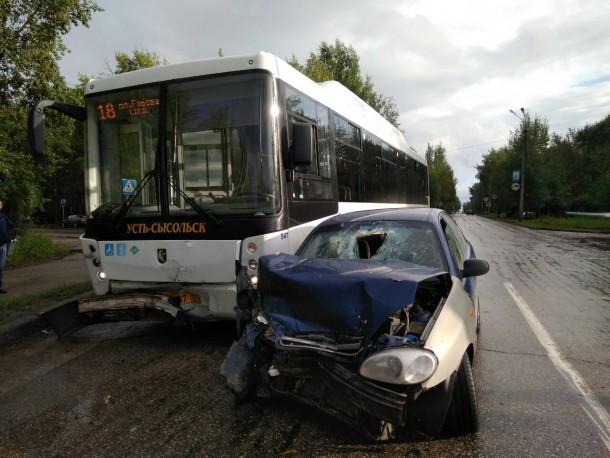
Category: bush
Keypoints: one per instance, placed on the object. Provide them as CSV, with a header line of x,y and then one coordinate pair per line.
x,y
34,246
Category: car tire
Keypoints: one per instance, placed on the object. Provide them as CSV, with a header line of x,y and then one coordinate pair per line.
x,y
379,430
463,414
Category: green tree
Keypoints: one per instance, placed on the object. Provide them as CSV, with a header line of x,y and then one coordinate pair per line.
x,y
495,179
590,183
443,192
30,45
341,63
560,173
127,63
533,136
554,174
139,59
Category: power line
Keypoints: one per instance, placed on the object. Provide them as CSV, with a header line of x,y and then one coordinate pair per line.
x,y
480,144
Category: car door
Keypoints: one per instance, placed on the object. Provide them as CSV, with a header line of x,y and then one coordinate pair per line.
x,y
460,250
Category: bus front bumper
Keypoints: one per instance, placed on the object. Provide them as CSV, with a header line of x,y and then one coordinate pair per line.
x,y
75,314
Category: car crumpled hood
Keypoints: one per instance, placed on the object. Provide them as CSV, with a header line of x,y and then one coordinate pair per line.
x,y
335,296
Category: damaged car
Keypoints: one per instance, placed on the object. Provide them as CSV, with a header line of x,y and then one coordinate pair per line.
x,y
373,321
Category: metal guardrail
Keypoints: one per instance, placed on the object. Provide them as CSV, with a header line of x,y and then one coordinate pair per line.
x,y
599,215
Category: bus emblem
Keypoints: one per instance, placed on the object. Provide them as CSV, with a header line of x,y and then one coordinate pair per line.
x,y
162,255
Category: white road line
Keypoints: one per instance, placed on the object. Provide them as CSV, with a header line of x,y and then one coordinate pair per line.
x,y
596,412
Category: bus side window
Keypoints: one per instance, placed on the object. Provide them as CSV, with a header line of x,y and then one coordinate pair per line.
x,y
348,148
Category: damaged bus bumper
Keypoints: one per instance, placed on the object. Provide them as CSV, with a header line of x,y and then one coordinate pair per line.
x,y
75,314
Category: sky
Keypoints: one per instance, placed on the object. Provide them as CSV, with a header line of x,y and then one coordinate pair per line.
x,y
453,67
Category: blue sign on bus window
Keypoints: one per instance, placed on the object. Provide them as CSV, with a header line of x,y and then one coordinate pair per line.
x,y
128,186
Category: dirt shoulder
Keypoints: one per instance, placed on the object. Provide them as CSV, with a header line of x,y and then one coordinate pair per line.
x,y
37,287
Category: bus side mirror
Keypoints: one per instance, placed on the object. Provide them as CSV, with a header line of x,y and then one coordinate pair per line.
x,y
302,143
36,121
36,124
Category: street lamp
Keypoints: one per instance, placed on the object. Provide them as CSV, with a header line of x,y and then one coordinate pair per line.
x,y
522,184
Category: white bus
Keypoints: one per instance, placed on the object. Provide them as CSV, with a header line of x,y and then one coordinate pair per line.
x,y
194,170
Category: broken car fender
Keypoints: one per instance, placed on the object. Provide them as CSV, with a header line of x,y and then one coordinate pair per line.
x,y
451,336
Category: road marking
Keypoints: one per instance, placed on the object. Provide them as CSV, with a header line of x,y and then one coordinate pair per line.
x,y
596,412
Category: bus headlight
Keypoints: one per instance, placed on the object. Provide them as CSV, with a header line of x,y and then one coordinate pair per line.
x,y
400,366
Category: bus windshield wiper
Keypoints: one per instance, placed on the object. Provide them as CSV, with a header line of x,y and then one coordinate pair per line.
x,y
201,211
122,213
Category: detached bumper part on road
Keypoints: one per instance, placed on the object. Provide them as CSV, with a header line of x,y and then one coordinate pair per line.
x,y
73,315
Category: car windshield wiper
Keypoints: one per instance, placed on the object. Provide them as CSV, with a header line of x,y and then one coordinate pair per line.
x,y
122,213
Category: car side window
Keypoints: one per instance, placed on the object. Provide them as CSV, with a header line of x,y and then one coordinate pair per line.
x,y
455,239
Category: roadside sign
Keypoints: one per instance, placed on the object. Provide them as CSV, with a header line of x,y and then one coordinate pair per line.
x,y
515,186
62,202
128,186
516,176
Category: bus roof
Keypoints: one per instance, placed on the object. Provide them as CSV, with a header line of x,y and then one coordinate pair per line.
x,y
330,93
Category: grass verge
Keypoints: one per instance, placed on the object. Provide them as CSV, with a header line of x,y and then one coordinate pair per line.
x,y
570,223
30,304
35,246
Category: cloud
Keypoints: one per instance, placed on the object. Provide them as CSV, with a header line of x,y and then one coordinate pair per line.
x,y
454,69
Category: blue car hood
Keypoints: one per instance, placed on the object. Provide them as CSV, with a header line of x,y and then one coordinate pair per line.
x,y
335,296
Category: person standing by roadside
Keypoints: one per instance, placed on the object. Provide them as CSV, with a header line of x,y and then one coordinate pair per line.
x,y
7,233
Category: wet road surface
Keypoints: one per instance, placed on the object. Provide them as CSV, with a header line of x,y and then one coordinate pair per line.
x,y
148,389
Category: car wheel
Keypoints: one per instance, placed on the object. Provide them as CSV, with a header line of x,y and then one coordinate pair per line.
x,y
463,414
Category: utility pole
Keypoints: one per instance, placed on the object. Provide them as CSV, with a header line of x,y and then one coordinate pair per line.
x,y
522,184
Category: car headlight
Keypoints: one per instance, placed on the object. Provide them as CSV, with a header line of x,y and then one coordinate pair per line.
x,y
400,366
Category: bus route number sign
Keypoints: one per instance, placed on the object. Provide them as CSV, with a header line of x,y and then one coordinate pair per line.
x,y
110,110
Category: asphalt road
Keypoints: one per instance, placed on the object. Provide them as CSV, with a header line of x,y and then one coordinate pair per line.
x,y
145,389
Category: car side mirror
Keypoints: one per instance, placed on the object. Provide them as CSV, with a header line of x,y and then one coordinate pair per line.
x,y
475,268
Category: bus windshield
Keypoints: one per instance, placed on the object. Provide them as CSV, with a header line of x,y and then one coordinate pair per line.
x,y
215,153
